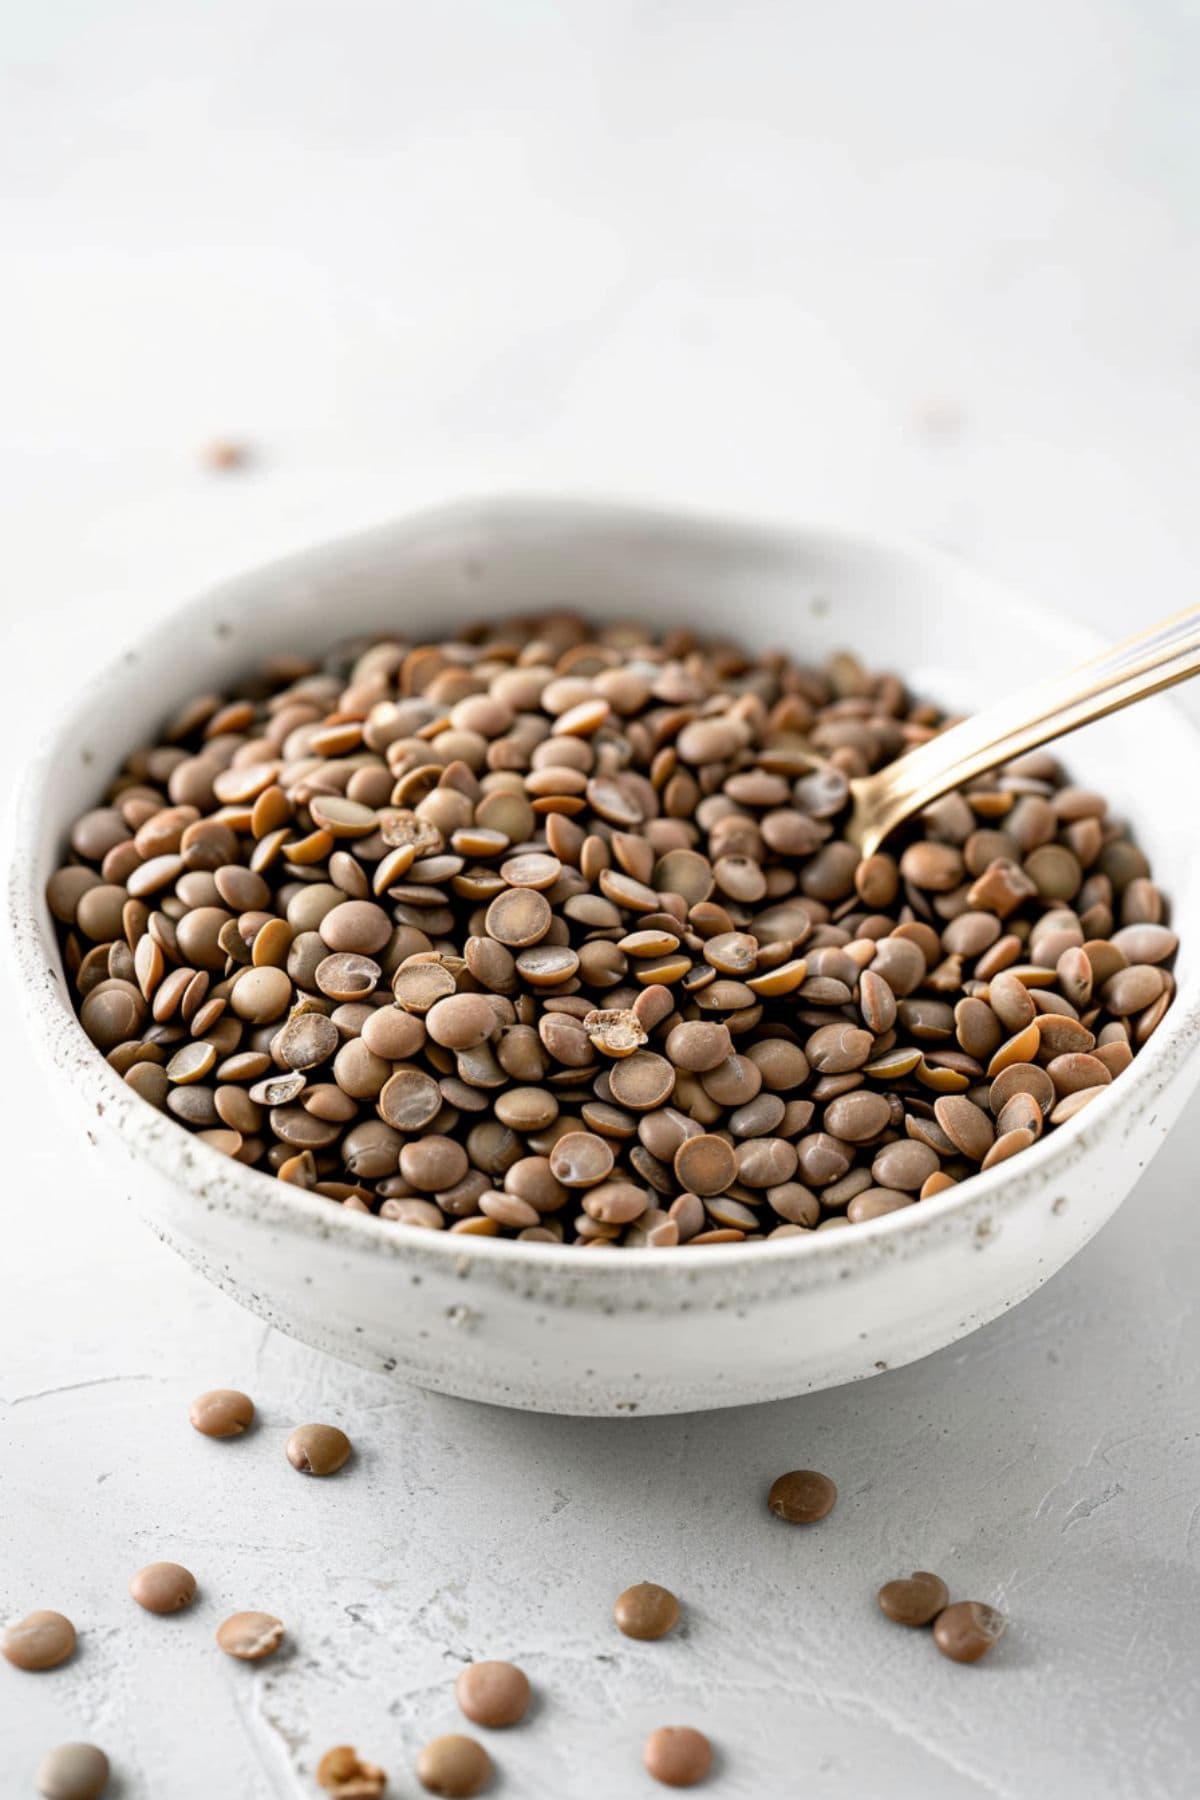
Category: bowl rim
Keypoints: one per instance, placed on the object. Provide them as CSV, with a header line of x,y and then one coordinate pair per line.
x,y
171,1150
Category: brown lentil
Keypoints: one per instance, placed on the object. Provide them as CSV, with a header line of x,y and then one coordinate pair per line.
x,y
163,1587
455,1766
904,1165
409,1100
495,1694
396,927
519,917
250,1636
917,1601
802,1497
1008,1145
342,1771
73,1772
967,1630
41,1640
222,1413
358,926
318,1449
876,1203
642,1081
677,1755
966,1125
261,994
615,1202
646,1611
581,1159
706,1165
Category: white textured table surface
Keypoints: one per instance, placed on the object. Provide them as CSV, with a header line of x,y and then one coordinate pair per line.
x,y
932,267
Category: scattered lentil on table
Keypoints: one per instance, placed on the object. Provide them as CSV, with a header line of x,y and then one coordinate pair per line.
x,y
802,1496
41,1640
677,1755
163,1587
495,1694
967,1630
646,1611
318,1449
455,1766
73,1772
917,1601
250,1636
222,1413
552,932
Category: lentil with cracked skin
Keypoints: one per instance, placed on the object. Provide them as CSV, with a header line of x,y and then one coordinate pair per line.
x,y
453,933
318,1449
250,1636
967,1630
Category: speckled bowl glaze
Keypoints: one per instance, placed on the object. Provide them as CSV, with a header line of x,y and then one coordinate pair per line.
x,y
612,1331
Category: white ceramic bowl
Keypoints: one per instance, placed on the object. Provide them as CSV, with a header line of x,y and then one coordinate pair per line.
x,y
612,1331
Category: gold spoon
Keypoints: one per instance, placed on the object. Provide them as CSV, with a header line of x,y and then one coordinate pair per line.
x,y
1143,665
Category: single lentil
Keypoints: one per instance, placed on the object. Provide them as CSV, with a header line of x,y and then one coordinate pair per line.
x,y
318,1449
250,1636
222,1413
495,1694
73,1772
455,1766
802,1497
39,1641
967,1630
915,1601
163,1587
677,1755
646,1611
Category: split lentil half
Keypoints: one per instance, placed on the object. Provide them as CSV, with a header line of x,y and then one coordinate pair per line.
x,y
967,1630
552,932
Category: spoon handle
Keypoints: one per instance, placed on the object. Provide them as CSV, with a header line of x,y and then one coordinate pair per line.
x,y
1158,658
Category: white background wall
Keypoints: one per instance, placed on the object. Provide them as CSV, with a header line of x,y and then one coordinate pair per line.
x,y
929,266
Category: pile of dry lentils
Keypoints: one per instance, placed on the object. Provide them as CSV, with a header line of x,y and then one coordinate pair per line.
x,y
550,931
